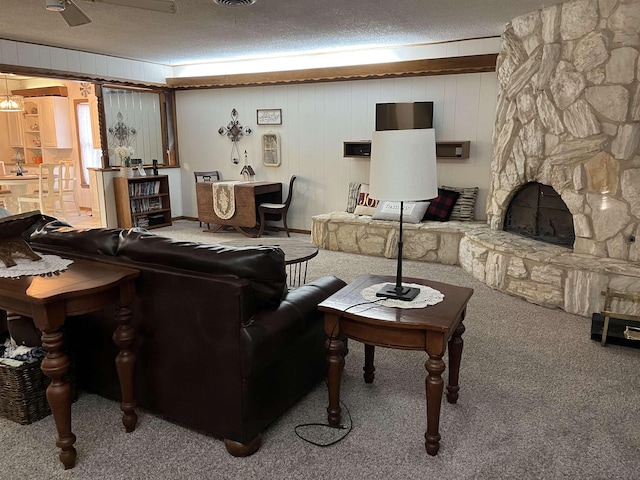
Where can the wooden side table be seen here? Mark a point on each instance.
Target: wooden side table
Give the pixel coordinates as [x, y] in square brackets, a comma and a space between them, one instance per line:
[348, 315]
[84, 287]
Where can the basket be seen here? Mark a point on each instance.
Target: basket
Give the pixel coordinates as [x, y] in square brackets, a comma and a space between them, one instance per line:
[23, 396]
[22, 393]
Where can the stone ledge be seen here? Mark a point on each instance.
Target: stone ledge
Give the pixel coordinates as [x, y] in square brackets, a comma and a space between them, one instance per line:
[545, 274]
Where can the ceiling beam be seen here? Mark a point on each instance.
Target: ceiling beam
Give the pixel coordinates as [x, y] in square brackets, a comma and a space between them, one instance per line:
[432, 66]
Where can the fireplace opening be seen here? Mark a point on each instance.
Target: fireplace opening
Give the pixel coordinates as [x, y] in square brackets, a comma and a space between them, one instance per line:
[537, 211]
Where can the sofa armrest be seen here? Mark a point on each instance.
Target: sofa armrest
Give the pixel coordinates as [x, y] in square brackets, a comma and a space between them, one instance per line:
[269, 331]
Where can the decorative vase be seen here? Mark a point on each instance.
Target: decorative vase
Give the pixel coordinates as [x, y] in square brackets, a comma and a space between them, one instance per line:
[126, 172]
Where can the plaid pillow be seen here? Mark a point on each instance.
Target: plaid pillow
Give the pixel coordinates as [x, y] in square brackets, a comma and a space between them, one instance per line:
[440, 208]
[465, 207]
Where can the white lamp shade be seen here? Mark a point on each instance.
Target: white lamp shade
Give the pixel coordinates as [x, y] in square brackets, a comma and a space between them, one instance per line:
[403, 165]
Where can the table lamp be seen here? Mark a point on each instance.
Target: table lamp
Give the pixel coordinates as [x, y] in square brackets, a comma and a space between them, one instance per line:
[403, 168]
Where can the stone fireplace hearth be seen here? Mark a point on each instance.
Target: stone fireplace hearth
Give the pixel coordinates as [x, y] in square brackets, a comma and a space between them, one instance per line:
[568, 116]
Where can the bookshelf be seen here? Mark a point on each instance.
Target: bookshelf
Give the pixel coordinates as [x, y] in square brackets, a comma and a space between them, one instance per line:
[143, 201]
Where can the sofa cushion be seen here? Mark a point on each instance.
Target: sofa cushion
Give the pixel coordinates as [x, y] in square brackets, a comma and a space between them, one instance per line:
[412, 211]
[366, 205]
[440, 208]
[465, 206]
[262, 266]
[62, 236]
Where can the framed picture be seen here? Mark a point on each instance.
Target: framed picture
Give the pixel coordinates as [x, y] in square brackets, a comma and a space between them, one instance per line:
[270, 116]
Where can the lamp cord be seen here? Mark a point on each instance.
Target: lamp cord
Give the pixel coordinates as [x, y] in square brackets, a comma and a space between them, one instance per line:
[349, 427]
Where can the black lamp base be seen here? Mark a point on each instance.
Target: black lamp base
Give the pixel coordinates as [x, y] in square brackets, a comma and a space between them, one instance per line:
[405, 294]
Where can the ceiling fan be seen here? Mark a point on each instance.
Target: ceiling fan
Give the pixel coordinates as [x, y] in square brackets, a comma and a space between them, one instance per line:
[74, 16]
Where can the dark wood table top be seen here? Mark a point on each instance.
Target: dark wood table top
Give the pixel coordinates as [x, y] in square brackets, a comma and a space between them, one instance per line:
[295, 251]
[439, 317]
[76, 285]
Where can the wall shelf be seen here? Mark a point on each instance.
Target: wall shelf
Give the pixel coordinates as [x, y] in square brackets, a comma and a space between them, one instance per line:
[444, 149]
[357, 149]
[453, 149]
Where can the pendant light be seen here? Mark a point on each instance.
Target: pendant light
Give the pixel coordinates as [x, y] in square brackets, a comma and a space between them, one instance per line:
[10, 103]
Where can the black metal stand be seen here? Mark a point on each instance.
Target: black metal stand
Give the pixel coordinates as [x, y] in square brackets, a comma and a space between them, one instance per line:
[397, 291]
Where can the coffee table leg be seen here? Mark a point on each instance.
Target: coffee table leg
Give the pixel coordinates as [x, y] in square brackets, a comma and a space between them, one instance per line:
[55, 365]
[455, 356]
[434, 386]
[335, 361]
[369, 369]
[123, 337]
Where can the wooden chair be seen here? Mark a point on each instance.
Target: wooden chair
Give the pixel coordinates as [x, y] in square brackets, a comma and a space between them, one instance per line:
[279, 209]
[49, 190]
[211, 176]
[68, 179]
[5, 194]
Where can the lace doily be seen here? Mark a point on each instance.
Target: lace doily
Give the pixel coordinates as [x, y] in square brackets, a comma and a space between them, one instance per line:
[49, 265]
[427, 296]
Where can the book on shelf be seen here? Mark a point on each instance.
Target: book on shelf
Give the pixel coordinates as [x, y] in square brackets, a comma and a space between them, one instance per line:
[141, 189]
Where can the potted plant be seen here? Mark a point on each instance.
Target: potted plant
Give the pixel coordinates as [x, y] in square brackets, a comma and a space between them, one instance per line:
[125, 154]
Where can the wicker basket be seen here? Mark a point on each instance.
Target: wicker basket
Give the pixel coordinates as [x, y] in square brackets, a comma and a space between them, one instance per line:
[23, 396]
[22, 393]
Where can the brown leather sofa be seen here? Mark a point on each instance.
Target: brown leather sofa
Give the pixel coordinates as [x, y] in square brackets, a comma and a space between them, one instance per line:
[222, 347]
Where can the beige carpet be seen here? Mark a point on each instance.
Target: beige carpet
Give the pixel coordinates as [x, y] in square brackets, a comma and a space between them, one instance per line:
[538, 400]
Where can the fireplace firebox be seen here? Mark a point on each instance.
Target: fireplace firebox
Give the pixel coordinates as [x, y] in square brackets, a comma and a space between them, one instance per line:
[537, 211]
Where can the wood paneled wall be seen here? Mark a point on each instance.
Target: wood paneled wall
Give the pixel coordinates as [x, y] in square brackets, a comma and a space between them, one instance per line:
[317, 119]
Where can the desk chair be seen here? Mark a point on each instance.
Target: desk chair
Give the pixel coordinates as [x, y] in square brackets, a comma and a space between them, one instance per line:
[68, 179]
[5, 194]
[279, 209]
[207, 177]
[49, 190]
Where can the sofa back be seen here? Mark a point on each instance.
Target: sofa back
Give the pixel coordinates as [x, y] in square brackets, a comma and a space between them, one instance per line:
[262, 266]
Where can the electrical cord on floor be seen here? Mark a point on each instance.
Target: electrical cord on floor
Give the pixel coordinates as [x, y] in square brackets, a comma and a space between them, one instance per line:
[348, 427]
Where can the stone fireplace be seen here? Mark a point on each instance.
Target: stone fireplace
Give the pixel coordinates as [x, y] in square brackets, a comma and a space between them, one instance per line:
[537, 211]
[568, 116]
[566, 155]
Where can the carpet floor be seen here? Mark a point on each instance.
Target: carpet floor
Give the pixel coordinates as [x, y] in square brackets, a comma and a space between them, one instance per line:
[539, 400]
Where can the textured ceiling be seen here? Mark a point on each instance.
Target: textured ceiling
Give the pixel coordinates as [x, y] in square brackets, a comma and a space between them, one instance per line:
[202, 31]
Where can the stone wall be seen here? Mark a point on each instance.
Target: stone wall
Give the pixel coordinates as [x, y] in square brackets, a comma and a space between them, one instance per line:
[568, 115]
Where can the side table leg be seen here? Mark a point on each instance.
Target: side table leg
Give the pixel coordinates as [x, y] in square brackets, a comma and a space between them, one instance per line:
[434, 386]
[369, 369]
[335, 362]
[55, 365]
[123, 337]
[455, 356]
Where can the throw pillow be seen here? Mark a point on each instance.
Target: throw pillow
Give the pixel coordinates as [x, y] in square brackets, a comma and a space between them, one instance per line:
[465, 207]
[412, 212]
[366, 205]
[440, 207]
[352, 196]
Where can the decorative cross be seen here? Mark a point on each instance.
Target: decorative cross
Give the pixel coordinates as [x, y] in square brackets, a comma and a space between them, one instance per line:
[235, 132]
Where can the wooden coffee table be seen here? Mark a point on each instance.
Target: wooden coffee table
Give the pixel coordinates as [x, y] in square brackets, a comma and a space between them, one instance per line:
[296, 254]
[348, 315]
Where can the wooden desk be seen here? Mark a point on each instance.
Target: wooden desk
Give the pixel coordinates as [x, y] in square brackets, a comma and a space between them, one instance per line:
[348, 315]
[83, 288]
[248, 197]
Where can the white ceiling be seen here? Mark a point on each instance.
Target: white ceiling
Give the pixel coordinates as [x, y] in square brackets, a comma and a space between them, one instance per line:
[202, 31]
